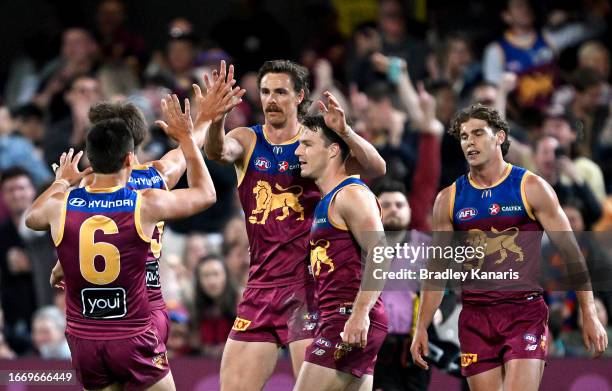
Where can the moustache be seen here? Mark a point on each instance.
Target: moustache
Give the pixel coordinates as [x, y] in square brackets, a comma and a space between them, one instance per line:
[273, 109]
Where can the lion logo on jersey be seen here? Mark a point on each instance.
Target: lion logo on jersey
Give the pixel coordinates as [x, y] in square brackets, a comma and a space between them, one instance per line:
[502, 243]
[318, 255]
[267, 201]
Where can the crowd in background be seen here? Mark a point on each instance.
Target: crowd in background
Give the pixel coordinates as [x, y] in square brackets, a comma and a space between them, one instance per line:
[547, 72]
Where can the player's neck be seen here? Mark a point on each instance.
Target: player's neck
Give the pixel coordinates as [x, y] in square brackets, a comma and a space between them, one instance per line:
[330, 179]
[488, 174]
[105, 181]
[281, 134]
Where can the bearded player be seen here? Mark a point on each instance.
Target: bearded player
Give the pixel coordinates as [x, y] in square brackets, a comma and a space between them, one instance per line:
[161, 174]
[502, 333]
[347, 222]
[102, 233]
[276, 308]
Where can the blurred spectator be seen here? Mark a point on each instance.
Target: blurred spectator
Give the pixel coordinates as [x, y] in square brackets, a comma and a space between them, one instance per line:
[180, 53]
[215, 305]
[71, 131]
[17, 294]
[178, 344]
[247, 45]
[78, 56]
[16, 150]
[589, 88]
[455, 63]
[551, 165]
[117, 42]
[595, 56]
[392, 20]
[48, 338]
[29, 121]
[530, 52]
[565, 128]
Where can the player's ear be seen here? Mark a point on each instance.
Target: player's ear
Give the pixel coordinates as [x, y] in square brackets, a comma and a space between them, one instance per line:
[300, 96]
[129, 160]
[334, 150]
[501, 137]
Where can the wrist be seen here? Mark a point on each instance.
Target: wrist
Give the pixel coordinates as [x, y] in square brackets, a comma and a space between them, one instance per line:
[63, 182]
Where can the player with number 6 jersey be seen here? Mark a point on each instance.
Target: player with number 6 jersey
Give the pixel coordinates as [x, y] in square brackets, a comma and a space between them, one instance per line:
[103, 233]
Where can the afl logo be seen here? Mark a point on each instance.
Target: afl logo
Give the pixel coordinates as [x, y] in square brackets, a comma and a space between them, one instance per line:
[262, 164]
[77, 202]
[494, 209]
[283, 166]
[467, 214]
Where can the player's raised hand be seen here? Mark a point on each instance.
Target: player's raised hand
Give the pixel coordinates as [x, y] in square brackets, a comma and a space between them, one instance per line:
[68, 169]
[594, 335]
[220, 96]
[178, 124]
[420, 348]
[356, 330]
[334, 115]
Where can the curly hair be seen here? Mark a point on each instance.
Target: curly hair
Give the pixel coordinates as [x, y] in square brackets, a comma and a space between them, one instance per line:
[485, 113]
[299, 76]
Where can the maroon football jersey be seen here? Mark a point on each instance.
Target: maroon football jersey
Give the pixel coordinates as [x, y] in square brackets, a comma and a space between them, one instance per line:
[499, 218]
[335, 260]
[103, 252]
[278, 205]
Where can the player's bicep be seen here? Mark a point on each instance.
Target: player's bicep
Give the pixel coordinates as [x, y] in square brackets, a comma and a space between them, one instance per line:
[236, 145]
[39, 216]
[171, 167]
[361, 214]
[442, 210]
[545, 205]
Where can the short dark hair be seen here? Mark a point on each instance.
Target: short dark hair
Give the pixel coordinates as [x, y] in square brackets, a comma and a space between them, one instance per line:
[126, 111]
[28, 111]
[316, 122]
[388, 185]
[108, 142]
[14, 172]
[485, 113]
[299, 76]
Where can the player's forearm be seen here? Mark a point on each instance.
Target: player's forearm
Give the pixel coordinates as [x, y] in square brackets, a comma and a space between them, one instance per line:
[587, 303]
[214, 140]
[364, 302]
[430, 301]
[409, 98]
[198, 177]
[366, 155]
[199, 133]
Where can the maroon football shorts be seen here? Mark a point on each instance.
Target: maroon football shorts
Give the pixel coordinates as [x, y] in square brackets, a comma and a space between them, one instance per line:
[279, 315]
[137, 362]
[161, 321]
[492, 335]
[328, 350]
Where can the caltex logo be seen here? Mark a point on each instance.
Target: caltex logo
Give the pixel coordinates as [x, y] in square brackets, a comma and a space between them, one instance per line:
[283, 166]
[494, 209]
